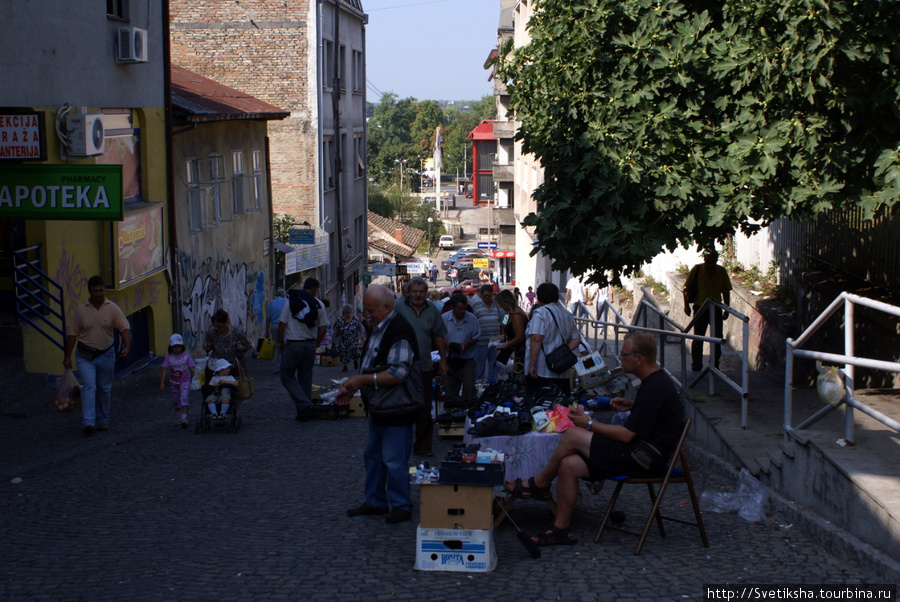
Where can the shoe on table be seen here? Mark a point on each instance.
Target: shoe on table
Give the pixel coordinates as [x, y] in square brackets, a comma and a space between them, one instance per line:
[365, 509]
[397, 516]
[88, 430]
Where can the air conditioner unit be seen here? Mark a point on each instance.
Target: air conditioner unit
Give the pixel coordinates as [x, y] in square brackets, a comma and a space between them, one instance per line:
[132, 45]
[86, 135]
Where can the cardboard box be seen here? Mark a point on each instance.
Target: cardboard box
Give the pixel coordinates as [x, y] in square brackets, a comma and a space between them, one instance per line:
[330, 360]
[357, 409]
[456, 506]
[464, 550]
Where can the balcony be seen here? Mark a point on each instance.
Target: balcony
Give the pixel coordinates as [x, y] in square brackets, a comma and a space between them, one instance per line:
[504, 129]
[503, 173]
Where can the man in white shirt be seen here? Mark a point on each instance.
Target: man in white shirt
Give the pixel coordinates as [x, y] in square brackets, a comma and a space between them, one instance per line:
[299, 333]
[575, 297]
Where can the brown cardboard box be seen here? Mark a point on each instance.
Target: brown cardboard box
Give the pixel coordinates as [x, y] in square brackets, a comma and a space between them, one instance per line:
[330, 360]
[357, 409]
[456, 506]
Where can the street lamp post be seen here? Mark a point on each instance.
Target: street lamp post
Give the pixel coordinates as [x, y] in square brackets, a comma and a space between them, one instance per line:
[430, 242]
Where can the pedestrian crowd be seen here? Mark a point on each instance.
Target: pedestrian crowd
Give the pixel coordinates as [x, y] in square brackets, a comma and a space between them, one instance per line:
[405, 350]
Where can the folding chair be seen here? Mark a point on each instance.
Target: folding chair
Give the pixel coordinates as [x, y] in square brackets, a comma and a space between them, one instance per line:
[677, 471]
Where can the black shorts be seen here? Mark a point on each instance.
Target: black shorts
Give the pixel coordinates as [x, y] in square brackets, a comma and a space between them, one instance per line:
[611, 458]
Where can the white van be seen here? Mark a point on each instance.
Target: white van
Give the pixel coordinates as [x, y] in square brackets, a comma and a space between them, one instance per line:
[446, 242]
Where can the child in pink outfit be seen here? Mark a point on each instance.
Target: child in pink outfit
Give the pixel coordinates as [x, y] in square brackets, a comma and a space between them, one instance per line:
[180, 366]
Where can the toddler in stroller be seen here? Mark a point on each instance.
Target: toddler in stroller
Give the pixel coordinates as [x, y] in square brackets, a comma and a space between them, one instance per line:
[220, 389]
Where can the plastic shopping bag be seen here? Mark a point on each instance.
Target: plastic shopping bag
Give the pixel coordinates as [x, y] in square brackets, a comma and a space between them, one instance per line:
[67, 389]
[199, 378]
[563, 422]
[267, 349]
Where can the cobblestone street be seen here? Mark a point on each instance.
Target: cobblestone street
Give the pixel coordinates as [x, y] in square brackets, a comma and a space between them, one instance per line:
[147, 511]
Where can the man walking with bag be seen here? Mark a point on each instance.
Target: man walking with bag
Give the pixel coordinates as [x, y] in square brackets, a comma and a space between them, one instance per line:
[391, 384]
[707, 281]
[302, 326]
[92, 330]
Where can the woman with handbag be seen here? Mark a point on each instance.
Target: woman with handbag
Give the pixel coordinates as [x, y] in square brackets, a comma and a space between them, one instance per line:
[551, 340]
[226, 341]
[513, 336]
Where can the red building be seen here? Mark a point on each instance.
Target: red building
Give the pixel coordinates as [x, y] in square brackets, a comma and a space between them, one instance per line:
[484, 150]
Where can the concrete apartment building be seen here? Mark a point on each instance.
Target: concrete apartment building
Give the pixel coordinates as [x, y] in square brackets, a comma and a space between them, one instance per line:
[306, 57]
[517, 174]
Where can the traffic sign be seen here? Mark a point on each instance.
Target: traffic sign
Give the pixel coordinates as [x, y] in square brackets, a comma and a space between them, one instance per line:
[487, 245]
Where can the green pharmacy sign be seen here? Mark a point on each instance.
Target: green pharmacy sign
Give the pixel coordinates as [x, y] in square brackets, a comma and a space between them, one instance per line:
[61, 192]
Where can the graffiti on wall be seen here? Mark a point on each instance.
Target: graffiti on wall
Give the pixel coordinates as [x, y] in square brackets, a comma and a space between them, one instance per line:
[225, 286]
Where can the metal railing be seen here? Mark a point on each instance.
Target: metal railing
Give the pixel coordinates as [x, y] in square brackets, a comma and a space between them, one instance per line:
[39, 299]
[668, 330]
[596, 333]
[711, 368]
[848, 359]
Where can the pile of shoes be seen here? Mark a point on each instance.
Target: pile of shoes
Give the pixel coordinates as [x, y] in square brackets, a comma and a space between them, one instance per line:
[448, 417]
[505, 419]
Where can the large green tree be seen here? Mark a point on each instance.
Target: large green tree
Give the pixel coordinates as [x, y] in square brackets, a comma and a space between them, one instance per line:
[663, 123]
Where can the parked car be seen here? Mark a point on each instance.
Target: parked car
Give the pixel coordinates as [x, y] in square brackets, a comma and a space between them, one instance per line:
[454, 261]
[468, 287]
[446, 242]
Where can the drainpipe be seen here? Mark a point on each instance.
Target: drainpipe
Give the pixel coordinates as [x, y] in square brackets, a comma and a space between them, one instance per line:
[174, 276]
[338, 150]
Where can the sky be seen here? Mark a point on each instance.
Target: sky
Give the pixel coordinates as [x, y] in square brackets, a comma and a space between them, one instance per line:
[430, 49]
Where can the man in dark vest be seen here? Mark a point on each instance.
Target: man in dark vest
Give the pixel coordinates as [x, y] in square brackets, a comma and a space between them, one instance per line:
[389, 369]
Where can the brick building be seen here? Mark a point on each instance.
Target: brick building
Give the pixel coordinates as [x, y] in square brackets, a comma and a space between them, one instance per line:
[297, 55]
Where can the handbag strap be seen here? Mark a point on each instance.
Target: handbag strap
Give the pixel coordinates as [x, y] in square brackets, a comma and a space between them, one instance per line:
[555, 323]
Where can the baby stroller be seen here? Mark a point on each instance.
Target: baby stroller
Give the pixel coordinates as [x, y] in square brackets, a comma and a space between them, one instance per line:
[230, 421]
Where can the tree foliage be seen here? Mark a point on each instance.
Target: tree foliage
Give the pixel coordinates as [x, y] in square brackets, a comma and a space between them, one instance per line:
[662, 123]
[402, 132]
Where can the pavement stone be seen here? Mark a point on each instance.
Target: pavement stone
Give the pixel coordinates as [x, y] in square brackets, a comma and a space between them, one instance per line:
[147, 511]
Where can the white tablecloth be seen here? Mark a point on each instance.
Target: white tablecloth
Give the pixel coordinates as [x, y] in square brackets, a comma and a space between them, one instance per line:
[526, 455]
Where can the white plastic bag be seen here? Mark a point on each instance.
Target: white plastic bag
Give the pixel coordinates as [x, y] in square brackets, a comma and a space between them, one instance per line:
[751, 501]
[830, 385]
[199, 373]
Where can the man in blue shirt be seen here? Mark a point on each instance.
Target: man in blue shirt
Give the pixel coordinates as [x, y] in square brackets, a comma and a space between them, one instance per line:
[463, 331]
[273, 318]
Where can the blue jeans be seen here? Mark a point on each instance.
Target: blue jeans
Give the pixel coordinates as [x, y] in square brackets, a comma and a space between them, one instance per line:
[485, 353]
[387, 466]
[96, 378]
[297, 363]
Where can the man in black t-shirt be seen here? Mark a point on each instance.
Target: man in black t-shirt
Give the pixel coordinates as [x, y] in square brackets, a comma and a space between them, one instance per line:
[593, 450]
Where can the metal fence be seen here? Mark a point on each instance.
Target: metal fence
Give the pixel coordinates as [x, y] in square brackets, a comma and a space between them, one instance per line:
[605, 335]
[845, 301]
[842, 240]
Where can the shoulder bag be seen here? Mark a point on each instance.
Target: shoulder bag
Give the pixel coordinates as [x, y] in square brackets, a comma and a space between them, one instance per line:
[561, 358]
[397, 400]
